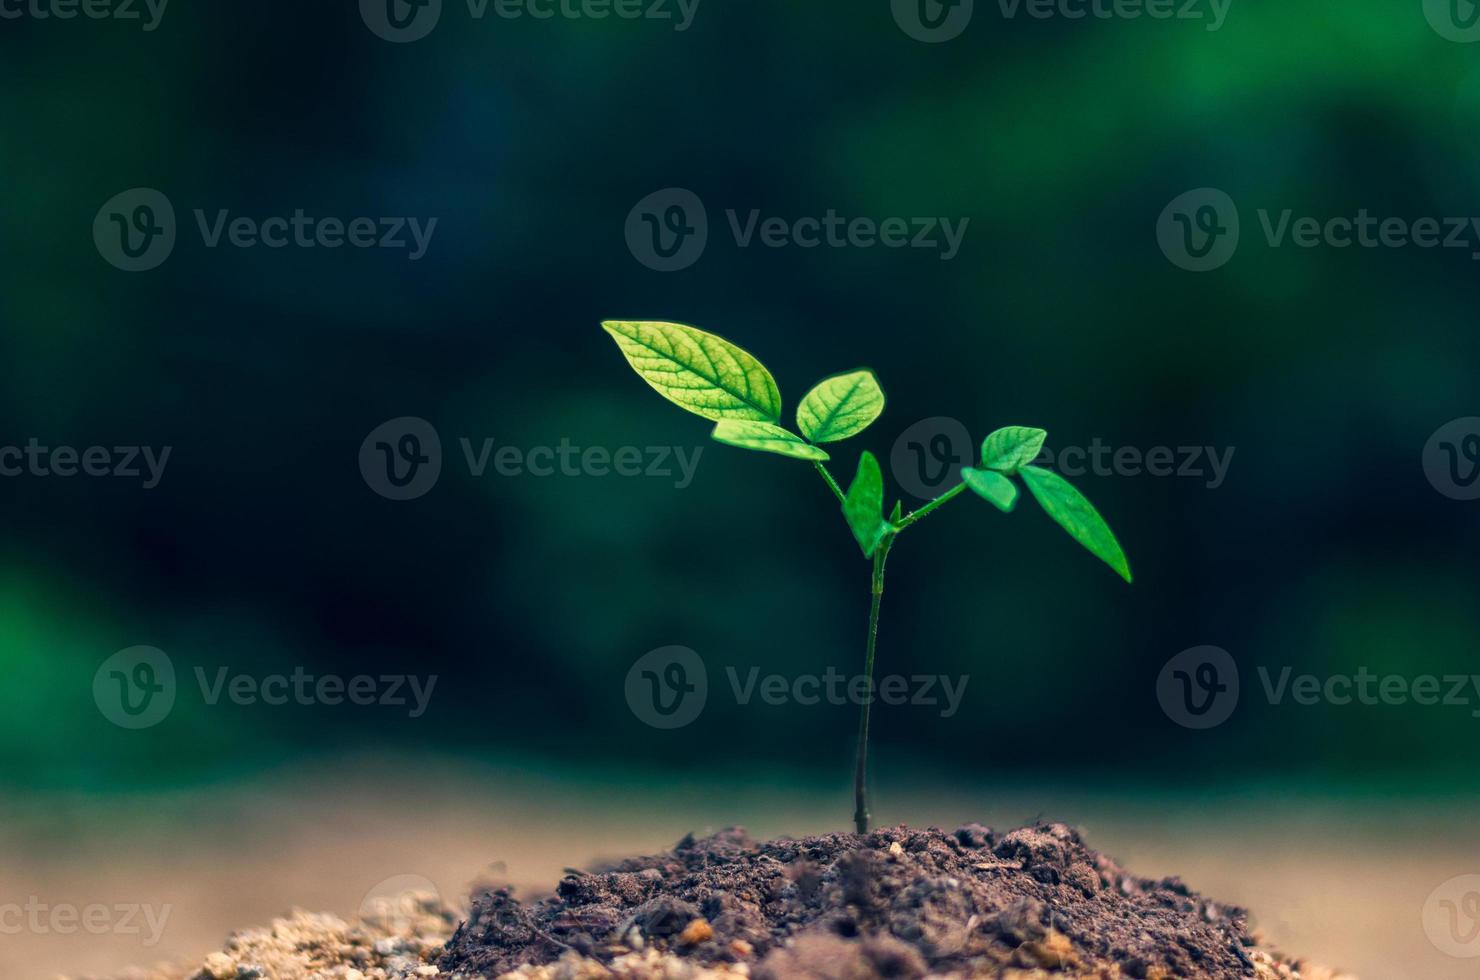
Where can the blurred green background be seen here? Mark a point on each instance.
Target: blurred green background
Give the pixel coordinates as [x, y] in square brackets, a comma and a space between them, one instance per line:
[263, 549]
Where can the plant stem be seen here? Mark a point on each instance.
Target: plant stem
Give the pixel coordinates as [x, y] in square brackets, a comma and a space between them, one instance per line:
[914, 516]
[861, 815]
[837, 490]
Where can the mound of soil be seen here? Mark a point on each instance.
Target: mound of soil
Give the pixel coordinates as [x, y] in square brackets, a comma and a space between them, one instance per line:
[896, 903]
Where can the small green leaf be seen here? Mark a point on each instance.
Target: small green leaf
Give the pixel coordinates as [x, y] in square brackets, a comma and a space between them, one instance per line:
[765, 437]
[1015, 446]
[864, 505]
[1076, 515]
[697, 371]
[992, 486]
[898, 512]
[841, 406]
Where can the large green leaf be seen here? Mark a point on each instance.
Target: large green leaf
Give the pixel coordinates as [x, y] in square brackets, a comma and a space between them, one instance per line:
[841, 406]
[765, 437]
[1015, 446]
[697, 371]
[992, 486]
[1076, 515]
[864, 505]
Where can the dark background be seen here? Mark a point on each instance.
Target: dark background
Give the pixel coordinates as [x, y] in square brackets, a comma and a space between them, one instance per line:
[1327, 370]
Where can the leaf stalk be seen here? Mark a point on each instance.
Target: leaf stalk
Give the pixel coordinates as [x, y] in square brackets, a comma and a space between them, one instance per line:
[861, 815]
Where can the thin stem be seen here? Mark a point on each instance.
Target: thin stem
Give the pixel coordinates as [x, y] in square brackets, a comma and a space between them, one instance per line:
[914, 516]
[861, 815]
[837, 490]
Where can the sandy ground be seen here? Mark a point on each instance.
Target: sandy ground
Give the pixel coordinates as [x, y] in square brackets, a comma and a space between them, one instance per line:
[163, 878]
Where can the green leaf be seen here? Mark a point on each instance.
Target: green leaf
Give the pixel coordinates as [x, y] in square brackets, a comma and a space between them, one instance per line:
[841, 406]
[765, 437]
[864, 505]
[1076, 515]
[992, 486]
[894, 518]
[1009, 449]
[697, 371]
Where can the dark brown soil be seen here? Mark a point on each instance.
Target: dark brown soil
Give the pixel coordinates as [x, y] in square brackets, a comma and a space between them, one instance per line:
[895, 903]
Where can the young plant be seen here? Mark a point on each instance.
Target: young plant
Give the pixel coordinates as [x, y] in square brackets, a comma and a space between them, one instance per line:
[711, 377]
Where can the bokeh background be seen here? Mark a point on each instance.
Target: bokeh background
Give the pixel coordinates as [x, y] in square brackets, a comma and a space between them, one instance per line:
[1326, 371]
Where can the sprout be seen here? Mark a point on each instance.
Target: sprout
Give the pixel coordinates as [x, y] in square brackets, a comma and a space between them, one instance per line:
[709, 376]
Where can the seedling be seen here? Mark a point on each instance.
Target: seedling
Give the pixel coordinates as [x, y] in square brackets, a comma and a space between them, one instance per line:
[711, 377]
